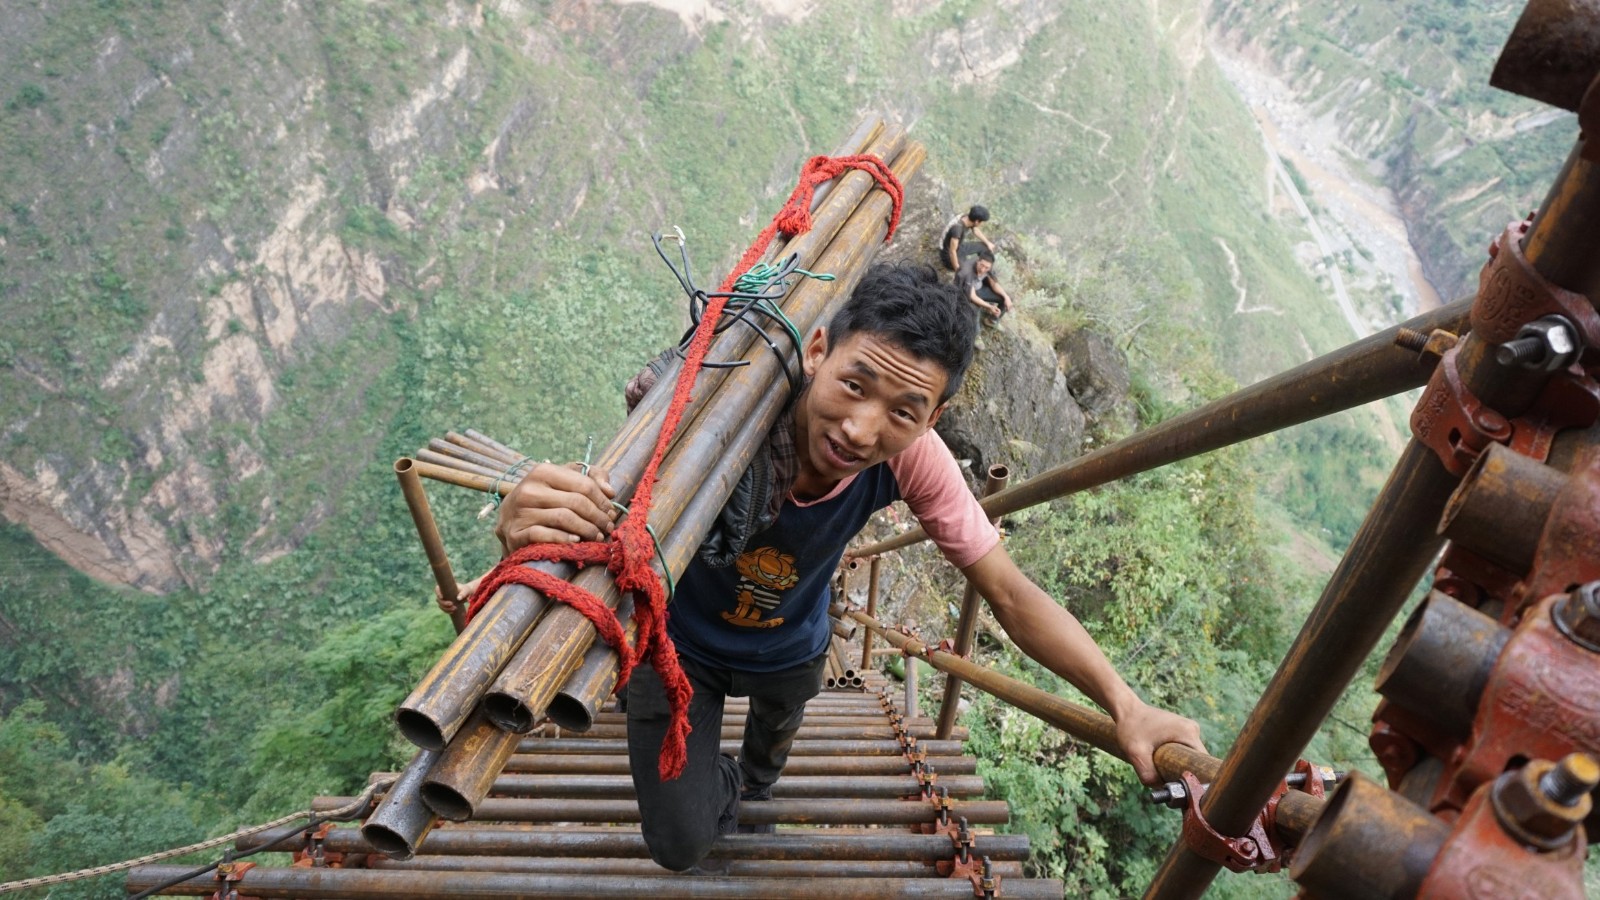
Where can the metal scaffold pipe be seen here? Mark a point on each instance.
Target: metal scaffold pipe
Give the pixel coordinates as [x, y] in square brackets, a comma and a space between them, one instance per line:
[1395, 543]
[1369, 369]
[880, 844]
[423, 885]
[967, 624]
[1296, 810]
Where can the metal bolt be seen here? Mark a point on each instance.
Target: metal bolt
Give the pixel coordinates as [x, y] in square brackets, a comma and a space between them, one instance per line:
[1571, 780]
[1578, 616]
[1547, 344]
[1410, 339]
[1173, 794]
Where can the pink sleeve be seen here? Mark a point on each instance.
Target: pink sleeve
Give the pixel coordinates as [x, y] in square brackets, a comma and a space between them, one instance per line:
[931, 483]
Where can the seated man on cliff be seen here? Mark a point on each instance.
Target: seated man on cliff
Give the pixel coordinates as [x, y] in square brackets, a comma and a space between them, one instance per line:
[860, 436]
[979, 286]
[955, 246]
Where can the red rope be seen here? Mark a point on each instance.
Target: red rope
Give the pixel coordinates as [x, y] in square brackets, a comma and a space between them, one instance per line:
[629, 553]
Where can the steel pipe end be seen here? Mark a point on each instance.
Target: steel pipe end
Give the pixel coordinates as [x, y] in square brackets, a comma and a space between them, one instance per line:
[567, 712]
[508, 713]
[388, 841]
[448, 802]
[1367, 844]
[1441, 661]
[419, 729]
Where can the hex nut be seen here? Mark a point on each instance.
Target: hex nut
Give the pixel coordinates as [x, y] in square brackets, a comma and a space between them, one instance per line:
[1531, 816]
[1579, 615]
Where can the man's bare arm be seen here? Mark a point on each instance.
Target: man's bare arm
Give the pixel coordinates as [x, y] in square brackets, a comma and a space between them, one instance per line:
[1048, 633]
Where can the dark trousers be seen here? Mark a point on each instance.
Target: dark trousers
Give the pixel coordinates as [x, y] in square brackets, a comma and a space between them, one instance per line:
[680, 817]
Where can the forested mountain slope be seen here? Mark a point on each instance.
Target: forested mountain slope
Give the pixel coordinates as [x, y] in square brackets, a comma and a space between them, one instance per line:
[251, 252]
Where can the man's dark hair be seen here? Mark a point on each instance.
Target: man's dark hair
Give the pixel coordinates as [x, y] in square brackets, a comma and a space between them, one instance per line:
[909, 307]
[985, 255]
[978, 213]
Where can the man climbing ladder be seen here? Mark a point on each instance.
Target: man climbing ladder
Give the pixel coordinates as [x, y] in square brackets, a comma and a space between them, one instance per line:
[879, 376]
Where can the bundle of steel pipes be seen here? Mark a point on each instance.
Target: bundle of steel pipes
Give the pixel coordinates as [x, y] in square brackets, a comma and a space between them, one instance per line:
[520, 660]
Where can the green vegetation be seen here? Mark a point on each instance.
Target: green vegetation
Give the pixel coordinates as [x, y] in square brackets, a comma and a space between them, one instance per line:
[503, 175]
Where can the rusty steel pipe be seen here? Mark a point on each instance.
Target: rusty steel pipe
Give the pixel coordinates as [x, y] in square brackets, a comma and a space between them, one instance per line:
[402, 820]
[311, 883]
[789, 787]
[731, 747]
[1561, 242]
[1369, 844]
[460, 778]
[459, 478]
[577, 703]
[447, 447]
[1388, 554]
[436, 458]
[439, 705]
[874, 571]
[1500, 508]
[620, 844]
[809, 731]
[995, 482]
[1553, 53]
[485, 446]
[705, 466]
[617, 764]
[793, 811]
[762, 868]
[1369, 369]
[428, 532]
[1440, 663]
[1296, 810]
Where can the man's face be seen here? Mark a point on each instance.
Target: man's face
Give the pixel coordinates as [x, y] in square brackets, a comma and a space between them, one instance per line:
[868, 400]
[982, 266]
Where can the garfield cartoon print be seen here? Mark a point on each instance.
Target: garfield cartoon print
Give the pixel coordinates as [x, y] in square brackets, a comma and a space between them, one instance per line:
[763, 574]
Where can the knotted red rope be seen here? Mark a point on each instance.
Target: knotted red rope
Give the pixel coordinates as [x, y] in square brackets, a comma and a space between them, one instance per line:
[629, 552]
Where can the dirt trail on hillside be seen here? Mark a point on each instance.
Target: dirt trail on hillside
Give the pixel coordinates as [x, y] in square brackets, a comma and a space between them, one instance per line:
[1351, 211]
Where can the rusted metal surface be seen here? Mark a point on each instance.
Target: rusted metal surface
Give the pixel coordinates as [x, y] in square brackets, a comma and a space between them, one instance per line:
[805, 811]
[809, 731]
[1440, 663]
[439, 705]
[1387, 556]
[875, 844]
[428, 532]
[345, 883]
[801, 748]
[1553, 54]
[874, 580]
[460, 778]
[1569, 548]
[996, 481]
[762, 868]
[1486, 856]
[788, 787]
[578, 701]
[1366, 370]
[402, 820]
[1542, 700]
[612, 764]
[1369, 844]
[1500, 509]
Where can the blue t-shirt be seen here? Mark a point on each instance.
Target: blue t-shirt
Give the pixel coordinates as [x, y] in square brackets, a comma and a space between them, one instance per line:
[769, 610]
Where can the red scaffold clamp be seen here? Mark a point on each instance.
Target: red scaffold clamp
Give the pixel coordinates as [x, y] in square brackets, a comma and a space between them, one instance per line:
[1255, 852]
